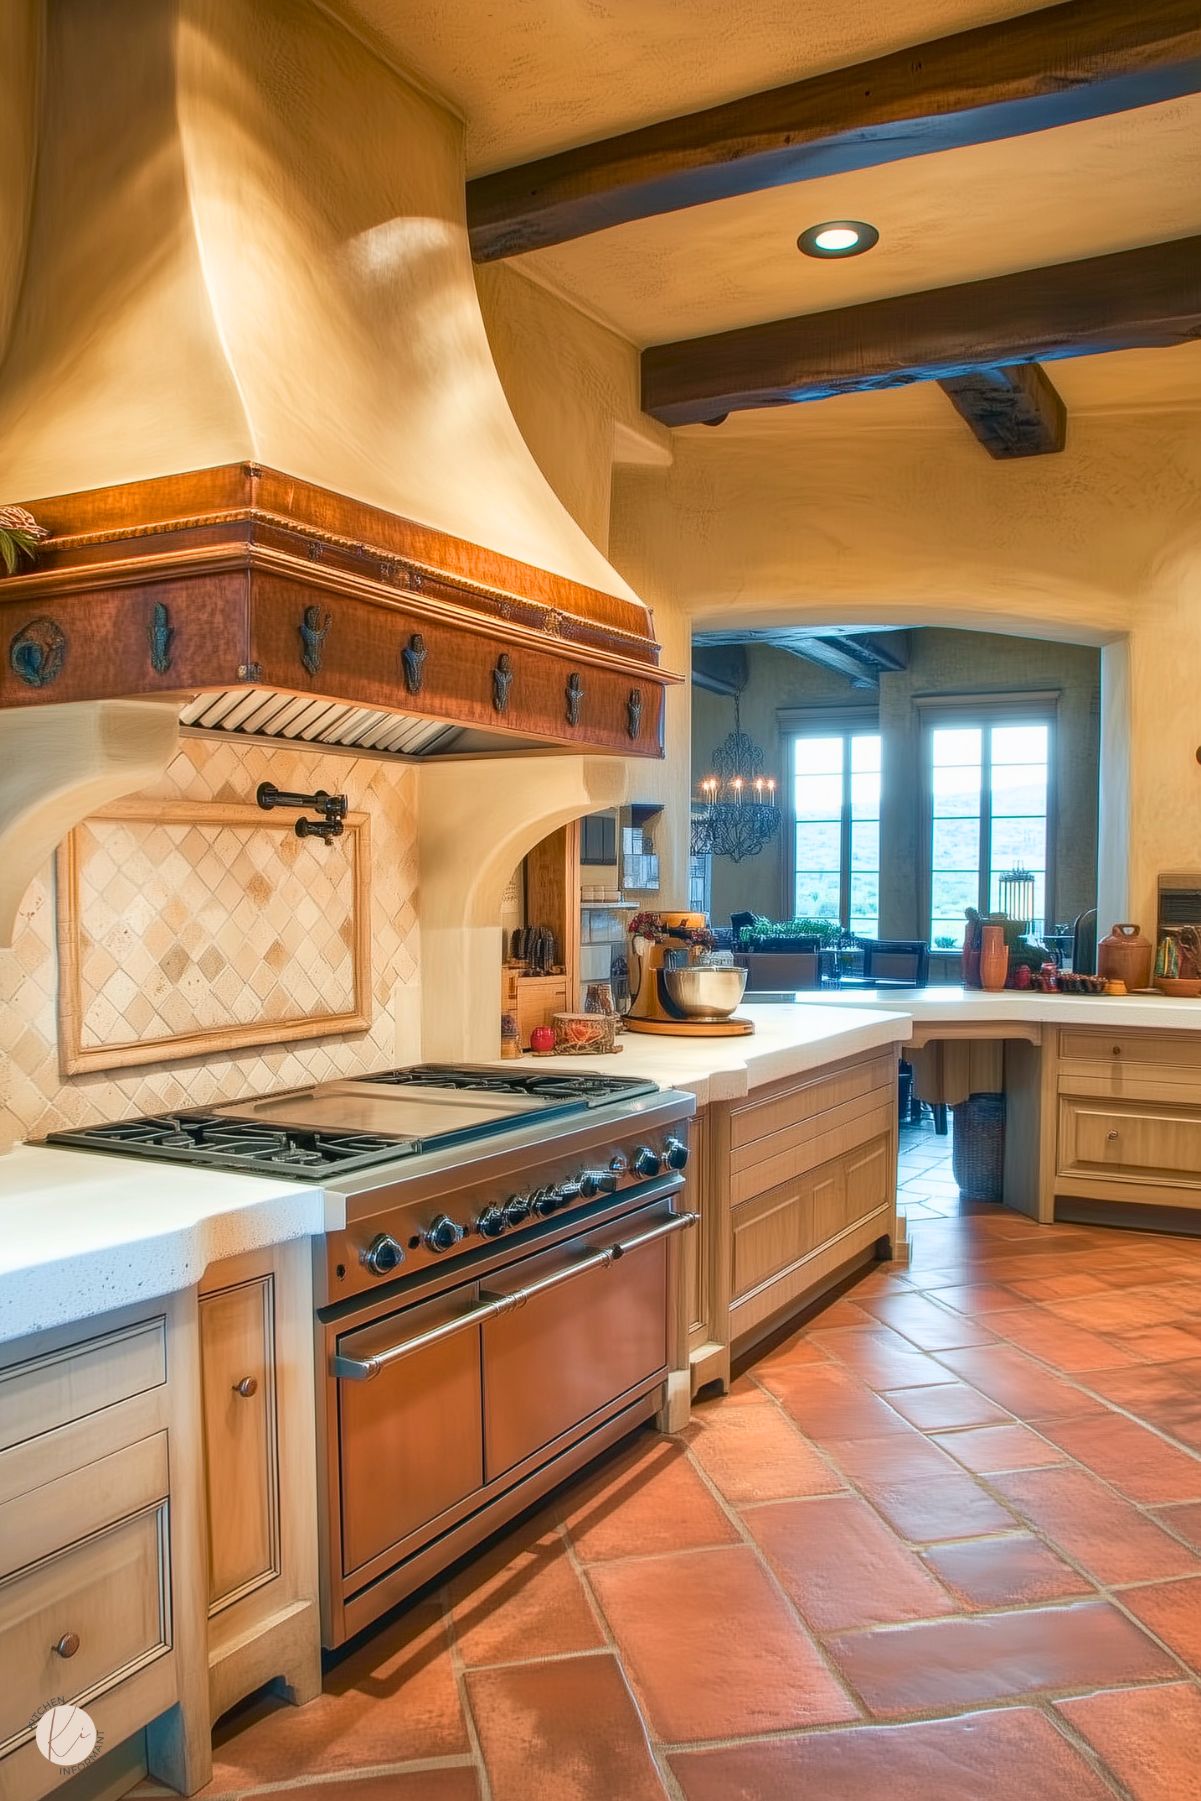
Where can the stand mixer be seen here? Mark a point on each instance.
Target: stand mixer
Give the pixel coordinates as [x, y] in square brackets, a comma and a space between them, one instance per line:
[674, 989]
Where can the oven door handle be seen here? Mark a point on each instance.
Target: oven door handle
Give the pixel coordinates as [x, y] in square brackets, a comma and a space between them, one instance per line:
[365, 1369]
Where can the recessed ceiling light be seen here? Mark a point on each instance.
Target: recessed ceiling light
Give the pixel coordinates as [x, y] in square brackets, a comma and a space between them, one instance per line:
[838, 237]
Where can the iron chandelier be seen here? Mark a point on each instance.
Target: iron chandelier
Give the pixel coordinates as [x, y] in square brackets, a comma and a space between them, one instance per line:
[735, 812]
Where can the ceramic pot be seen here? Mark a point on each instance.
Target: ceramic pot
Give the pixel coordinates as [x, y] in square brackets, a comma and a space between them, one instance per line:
[994, 958]
[971, 955]
[1126, 956]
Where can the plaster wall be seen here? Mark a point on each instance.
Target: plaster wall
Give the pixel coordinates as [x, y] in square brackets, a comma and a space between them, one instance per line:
[1100, 545]
[248, 240]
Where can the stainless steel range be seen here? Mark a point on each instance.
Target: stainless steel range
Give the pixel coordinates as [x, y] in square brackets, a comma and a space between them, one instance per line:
[495, 1292]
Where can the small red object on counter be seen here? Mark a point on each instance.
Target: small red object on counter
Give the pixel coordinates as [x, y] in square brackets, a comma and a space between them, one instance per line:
[542, 1040]
[1022, 976]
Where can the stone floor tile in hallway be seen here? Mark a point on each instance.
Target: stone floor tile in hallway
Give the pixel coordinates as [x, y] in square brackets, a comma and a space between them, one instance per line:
[908, 1557]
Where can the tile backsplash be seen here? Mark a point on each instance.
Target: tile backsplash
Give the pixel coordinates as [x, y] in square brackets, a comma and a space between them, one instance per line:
[34, 1095]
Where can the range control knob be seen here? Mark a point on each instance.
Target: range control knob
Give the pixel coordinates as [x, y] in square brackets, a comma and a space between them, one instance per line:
[547, 1201]
[597, 1181]
[646, 1162]
[491, 1222]
[517, 1210]
[675, 1153]
[383, 1255]
[443, 1234]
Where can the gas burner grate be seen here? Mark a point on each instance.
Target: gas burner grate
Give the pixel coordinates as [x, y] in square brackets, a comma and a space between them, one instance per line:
[234, 1144]
[550, 1085]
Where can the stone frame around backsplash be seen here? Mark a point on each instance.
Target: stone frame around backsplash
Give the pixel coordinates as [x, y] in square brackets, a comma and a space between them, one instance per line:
[36, 1098]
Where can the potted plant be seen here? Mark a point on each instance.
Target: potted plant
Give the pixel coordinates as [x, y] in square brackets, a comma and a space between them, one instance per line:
[20, 535]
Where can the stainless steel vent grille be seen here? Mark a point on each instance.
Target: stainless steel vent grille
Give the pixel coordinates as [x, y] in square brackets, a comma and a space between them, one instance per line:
[301, 719]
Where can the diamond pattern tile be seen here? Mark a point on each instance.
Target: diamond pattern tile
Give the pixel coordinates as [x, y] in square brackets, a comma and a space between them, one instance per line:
[191, 926]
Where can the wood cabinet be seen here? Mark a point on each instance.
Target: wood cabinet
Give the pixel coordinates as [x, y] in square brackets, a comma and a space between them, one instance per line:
[800, 1186]
[100, 1522]
[255, 1323]
[1127, 1113]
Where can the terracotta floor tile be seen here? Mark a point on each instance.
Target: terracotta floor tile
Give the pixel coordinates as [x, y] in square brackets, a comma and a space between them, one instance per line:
[999, 1448]
[828, 1401]
[1055, 1341]
[564, 1731]
[1161, 1344]
[647, 1499]
[522, 1598]
[881, 1357]
[756, 1454]
[842, 1567]
[979, 1298]
[1057, 1288]
[929, 1326]
[1147, 1736]
[845, 1311]
[794, 1349]
[1172, 1611]
[1005, 1755]
[1107, 1535]
[394, 1700]
[900, 1458]
[400, 1785]
[955, 1663]
[1116, 1312]
[712, 1648]
[938, 1409]
[1015, 1382]
[1134, 1460]
[1168, 1395]
[953, 1506]
[1006, 1572]
[1185, 1522]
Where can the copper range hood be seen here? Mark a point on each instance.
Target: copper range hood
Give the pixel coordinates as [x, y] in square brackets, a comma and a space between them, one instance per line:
[275, 609]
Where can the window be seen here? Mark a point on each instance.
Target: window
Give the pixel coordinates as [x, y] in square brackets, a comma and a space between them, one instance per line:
[836, 828]
[989, 806]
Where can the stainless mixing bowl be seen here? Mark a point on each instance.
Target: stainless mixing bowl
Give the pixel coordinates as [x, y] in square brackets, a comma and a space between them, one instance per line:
[705, 993]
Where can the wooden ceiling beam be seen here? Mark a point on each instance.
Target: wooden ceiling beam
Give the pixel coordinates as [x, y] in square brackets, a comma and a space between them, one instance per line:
[1014, 412]
[1134, 299]
[1055, 66]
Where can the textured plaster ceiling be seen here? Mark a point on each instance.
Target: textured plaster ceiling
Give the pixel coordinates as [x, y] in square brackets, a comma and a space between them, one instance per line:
[1108, 184]
[535, 76]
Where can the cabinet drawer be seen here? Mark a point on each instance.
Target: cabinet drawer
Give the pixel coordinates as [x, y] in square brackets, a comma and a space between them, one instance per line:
[775, 1231]
[240, 1438]
[784, 1106]
[786, 1156]
[1130, 1062]
[111, 1591]
[1136, 1140]
[46, 1392]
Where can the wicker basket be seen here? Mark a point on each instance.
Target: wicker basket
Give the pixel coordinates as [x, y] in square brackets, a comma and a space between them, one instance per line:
[585, 1034]
[978, 1147]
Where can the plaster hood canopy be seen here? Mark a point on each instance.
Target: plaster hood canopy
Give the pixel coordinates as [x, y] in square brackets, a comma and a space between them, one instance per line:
[246, 361]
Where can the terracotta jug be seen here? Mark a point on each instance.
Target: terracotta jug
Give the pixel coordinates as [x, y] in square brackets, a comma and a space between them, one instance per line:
[994, 958]
[1126, 956]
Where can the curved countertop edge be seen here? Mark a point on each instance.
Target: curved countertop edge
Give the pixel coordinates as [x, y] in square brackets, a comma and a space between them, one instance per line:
[83, 1233]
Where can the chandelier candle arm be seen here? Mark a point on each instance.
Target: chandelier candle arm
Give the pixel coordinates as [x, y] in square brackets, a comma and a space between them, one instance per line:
[736, 813]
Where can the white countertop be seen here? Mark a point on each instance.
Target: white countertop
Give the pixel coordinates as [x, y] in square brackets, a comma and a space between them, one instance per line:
[82, 1232]
[956, 1006]
[788, 1040]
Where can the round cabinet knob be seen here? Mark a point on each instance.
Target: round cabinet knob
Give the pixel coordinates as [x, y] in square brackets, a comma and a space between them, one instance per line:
[246, 1387]
[1111, 1136]
[443, 1234]
[646, 1162]
[597, 1181]
[383, 1255]
[491, 1222]
[67, 1645]
[675, 1153]
[517, 1210]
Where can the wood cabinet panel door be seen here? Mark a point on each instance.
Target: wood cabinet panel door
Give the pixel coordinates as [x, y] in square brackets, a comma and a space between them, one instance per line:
[240, 1438]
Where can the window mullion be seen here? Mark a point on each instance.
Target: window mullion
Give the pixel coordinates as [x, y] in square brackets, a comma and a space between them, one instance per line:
[985, 818]
[844, 876]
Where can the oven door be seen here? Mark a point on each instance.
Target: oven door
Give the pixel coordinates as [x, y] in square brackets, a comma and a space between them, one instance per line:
[410, 1441]
[573, 1346]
